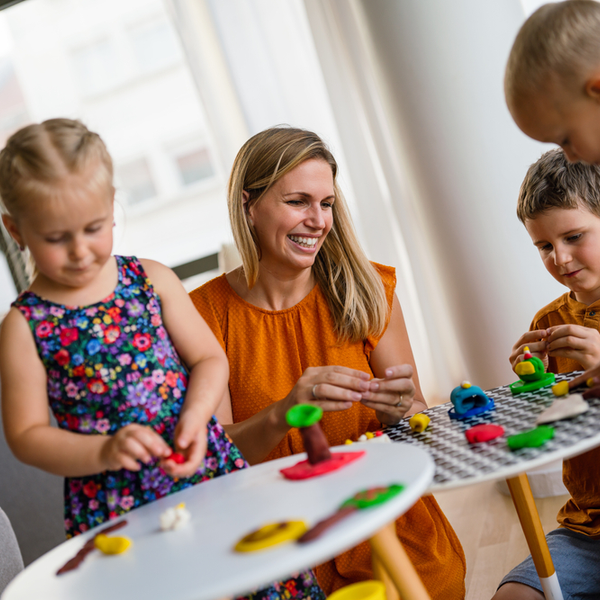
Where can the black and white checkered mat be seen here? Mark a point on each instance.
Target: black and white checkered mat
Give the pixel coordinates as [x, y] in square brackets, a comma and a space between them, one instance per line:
[460, 463]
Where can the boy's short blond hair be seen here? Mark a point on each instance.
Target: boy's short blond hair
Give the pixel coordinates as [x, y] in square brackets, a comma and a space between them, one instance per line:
[554, 182]
[559, 41]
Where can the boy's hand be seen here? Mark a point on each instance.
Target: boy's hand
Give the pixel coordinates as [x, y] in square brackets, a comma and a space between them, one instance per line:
[131, 445]
[536, 341]
[580, 343]
[190, 442]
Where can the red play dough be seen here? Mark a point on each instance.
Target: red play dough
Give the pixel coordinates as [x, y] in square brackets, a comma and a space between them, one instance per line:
[304, 470]
[176, 458]
[484, 433]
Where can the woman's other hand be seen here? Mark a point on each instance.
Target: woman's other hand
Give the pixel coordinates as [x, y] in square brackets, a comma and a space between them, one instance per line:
[392, 397]
[331, 388]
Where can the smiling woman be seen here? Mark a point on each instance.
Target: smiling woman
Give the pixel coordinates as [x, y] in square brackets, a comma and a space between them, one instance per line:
[308, 319]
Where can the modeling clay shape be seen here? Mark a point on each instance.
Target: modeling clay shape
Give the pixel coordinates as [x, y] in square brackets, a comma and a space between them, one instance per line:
[375, 436]
[532, 374]
[561, 388]
[473, 412]
[88, 547]
[174, 517]
[563, 408]
[112, 544]
[304, 470]
[466, 397]
[363, 590]
[419, 422]
[270, 535]
[360, 501]
[176, 457]
[484, 433]
[530, 439]
[306, 418]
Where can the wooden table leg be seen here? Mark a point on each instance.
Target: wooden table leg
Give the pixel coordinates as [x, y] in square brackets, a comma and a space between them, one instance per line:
[388, 551]
[379, 573]
[534, 534]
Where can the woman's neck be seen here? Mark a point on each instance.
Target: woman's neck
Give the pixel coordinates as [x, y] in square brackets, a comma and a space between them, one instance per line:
[273, 291]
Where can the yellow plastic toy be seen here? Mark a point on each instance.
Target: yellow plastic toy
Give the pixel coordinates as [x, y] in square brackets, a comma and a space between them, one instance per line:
[111, 545]
[364, 590]
[271, 535]
[419, 422]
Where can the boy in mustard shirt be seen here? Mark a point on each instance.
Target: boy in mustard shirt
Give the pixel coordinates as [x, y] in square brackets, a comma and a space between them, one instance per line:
[559, 204]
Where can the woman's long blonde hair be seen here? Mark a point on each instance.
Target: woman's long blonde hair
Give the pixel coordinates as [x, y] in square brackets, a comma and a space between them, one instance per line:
[351, 284]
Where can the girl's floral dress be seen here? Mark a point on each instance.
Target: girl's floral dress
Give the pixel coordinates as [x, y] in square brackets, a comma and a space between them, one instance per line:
[111, 364]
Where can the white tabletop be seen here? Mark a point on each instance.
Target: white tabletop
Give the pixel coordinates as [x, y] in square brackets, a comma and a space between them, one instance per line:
[197, 562]
[459, 463]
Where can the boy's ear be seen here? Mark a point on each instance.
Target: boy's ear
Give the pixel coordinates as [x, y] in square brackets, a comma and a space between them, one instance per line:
[592, 86]
[11, 227]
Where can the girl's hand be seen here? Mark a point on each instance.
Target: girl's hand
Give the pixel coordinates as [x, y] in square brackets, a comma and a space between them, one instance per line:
[190, 442]
[331, 388]
[131, 445]
[392, 397]
[582, 344]
[537, 343]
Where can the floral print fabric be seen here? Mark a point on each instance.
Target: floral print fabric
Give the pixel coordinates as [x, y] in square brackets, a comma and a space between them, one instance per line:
[111, 364]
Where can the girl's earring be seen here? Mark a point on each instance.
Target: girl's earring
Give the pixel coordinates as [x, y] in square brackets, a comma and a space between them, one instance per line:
[114, 223]
[22, 248]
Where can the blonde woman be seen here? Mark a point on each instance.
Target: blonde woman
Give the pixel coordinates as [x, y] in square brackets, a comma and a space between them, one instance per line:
[308, 318]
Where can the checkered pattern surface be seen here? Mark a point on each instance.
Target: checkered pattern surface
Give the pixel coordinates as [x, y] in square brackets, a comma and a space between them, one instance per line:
[458, 461]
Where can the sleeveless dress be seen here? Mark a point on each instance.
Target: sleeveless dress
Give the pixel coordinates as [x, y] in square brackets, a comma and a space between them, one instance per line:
[111, 364]
[268, 351]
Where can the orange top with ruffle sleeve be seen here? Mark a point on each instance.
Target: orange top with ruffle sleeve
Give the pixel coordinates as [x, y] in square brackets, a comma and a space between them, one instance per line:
[268, 351]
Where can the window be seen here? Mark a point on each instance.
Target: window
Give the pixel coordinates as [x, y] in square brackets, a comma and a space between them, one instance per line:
[155, 45]
[195, 166]
[135, 178]
[97, 67]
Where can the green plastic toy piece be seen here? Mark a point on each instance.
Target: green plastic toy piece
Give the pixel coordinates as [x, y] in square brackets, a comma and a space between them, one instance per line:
[373, 496]
[518, 387]
[530, 439]
[303, 415]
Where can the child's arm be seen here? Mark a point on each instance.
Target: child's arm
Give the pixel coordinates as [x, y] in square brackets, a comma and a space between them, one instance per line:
[203, 356]
[25, 414]
[577, 342]
[536, 341]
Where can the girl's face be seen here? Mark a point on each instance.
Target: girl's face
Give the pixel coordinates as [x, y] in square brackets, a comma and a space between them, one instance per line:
[70, 234]
[294, 217]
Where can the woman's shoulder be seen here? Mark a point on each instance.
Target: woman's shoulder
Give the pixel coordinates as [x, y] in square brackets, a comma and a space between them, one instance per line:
[212, 296]
[387, 274]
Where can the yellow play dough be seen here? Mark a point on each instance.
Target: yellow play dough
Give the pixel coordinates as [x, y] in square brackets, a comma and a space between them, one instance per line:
[561, 388]
[271, 535]
[364, 590]
[111, 545]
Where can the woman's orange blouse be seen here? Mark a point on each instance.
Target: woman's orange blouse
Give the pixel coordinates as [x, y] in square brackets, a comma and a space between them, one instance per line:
[268, 351]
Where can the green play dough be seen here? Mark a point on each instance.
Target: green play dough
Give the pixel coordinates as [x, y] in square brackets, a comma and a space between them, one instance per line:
[530, 439]
[303, 415]
[373, 496]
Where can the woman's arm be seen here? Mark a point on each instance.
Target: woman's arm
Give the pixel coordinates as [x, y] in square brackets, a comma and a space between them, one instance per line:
[205, 360]
[336, 388]
[395, 392]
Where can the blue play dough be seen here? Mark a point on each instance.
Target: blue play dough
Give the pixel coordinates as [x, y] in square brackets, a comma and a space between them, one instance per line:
[473, 412]
[465, 399]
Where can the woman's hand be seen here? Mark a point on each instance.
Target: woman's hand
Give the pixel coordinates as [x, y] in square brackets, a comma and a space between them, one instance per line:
[536, 341]
[331, 388]
[131, 445]
[391, 397]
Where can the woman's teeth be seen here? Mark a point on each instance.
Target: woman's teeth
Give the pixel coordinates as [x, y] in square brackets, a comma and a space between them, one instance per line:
[304, 241]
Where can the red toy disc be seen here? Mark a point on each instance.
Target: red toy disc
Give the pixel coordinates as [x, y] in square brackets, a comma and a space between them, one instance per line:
[177, 458]
[483, 433]
[304, 470]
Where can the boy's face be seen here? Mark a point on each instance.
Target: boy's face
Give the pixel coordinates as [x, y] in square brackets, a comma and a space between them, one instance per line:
[568, 240]
[557, 116]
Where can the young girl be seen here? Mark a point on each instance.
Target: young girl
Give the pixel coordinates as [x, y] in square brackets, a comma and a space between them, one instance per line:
[114, 344]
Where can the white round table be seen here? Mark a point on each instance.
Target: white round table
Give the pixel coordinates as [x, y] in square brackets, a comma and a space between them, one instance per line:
[197, 562]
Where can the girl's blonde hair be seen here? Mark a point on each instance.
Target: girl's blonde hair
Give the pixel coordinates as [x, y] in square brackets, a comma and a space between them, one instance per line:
[351, 284]
[558, 42]
[38, 157]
